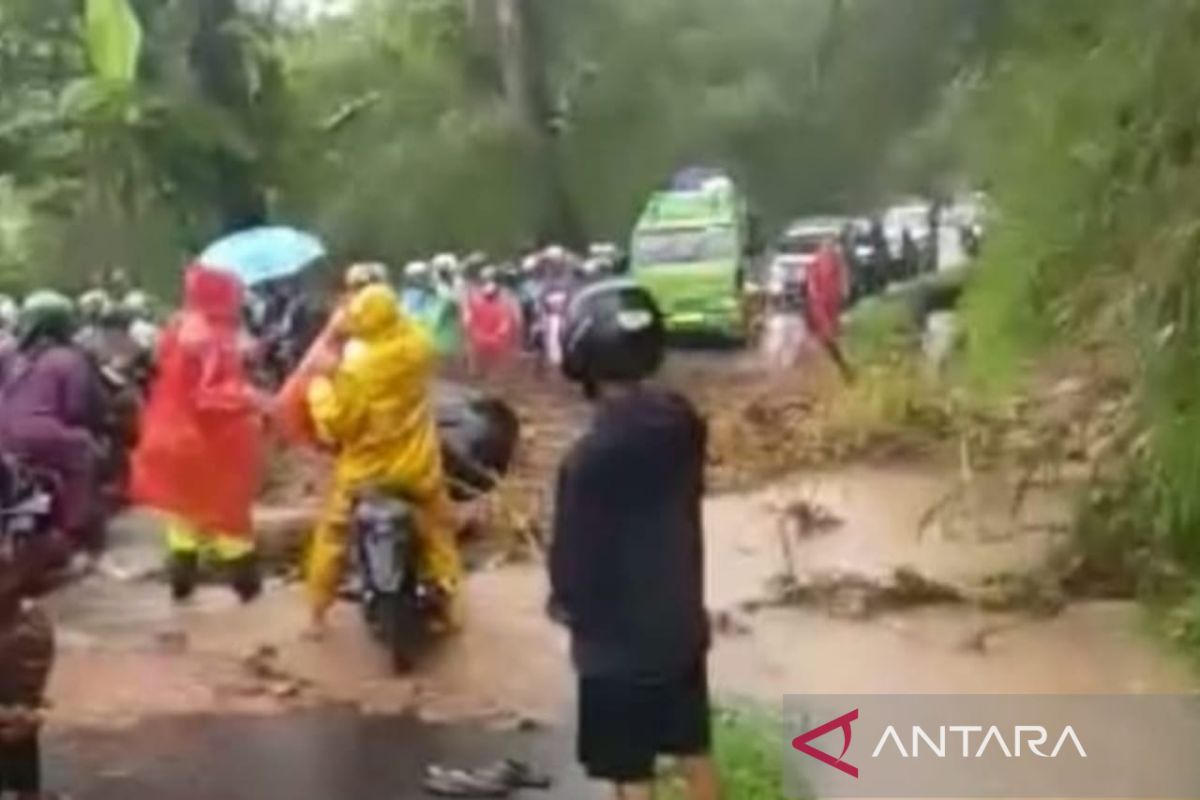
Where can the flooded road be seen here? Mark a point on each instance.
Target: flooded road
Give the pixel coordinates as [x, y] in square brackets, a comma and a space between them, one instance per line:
[313, 756]
[217, 701]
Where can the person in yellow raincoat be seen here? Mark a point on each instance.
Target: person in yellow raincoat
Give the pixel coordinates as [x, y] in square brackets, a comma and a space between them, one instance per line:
[376, 411]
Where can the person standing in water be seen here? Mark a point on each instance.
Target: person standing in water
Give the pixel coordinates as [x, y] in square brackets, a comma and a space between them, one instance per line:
[627, 562]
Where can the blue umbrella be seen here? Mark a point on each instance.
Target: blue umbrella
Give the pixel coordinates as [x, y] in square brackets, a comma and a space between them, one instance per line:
[259, 255]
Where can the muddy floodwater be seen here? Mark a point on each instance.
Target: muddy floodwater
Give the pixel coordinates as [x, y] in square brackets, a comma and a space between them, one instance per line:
[222, 701]
[325, 755]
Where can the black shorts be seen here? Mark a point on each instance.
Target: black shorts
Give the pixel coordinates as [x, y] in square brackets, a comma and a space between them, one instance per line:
[21, 767]
[624, 725]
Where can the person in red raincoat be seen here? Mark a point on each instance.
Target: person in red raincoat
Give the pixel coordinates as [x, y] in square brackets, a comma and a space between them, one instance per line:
[493, 325]
[825, 293]
[200, 457]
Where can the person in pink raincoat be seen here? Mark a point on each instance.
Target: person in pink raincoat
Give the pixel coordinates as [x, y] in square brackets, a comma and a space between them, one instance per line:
[493, 325]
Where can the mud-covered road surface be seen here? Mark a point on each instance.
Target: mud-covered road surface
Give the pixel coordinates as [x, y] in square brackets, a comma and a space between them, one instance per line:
[217, 701]
[316, 755]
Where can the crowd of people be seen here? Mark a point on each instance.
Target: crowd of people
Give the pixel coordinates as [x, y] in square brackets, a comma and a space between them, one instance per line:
[357, 380]
[481, 314]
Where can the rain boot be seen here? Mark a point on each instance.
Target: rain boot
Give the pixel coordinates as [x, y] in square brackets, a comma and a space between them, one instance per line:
[246, 577]
[184, 571]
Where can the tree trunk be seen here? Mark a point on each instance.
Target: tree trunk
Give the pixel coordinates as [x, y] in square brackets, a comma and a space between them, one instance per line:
[218, 61]
[523, 70]
[830, 40]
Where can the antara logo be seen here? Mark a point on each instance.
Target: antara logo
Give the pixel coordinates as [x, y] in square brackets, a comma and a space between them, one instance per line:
[1024, 739]
[1034, 737]
[801, 743]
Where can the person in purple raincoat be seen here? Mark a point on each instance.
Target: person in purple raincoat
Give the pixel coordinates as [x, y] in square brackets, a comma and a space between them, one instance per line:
[52, 411]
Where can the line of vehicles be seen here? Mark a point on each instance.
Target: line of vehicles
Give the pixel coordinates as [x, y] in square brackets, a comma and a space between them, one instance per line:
[696, 247]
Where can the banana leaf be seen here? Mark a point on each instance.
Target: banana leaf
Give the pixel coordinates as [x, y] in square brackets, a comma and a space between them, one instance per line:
[114, 40]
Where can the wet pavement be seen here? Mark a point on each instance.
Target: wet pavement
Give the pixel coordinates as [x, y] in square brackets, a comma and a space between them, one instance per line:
[154, 701]
[320, 755]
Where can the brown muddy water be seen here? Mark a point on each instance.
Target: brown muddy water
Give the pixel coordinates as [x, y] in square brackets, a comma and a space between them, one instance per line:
[223, 701]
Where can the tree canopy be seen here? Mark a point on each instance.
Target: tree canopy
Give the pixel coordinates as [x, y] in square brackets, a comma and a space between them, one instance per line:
[401, 127]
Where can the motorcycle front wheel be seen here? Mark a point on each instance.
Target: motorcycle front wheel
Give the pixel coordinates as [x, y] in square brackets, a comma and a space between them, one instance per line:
[400, 626]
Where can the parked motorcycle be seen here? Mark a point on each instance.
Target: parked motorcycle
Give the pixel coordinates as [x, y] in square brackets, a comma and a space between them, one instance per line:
[479, 436]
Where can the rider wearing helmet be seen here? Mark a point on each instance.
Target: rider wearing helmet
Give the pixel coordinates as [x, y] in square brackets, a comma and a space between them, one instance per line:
[416, 273]
[529, 290]
[139, 312]
[418, 291]
[559, 283]
[446, 272]
[360, 276]
[93, 306]
[53, 412]
[376, 410]
[627, 557]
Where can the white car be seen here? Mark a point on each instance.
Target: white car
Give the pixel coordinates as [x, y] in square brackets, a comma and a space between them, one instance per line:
[797, 249]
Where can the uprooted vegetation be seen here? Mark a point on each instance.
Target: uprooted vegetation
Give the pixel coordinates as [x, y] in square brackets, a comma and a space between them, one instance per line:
[1085, 129]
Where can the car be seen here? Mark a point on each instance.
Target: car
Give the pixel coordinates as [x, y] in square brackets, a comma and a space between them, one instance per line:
[794, 251]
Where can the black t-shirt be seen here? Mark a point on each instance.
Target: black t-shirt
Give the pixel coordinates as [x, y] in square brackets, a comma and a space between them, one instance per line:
[627, 562]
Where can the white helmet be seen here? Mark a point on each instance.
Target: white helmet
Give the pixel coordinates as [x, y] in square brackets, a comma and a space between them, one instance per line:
[95, 303]
[137, 304]
[10, 313]
[144, 334]
[594, 266]
[555, 252]
[530, 264]
[445, 263]
[416, 270]
[366, 274]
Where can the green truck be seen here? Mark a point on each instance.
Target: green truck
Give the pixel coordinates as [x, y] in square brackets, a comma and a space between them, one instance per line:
[689, 250]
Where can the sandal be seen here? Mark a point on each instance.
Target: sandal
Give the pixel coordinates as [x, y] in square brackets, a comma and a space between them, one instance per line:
[517, 775]
[462, 783]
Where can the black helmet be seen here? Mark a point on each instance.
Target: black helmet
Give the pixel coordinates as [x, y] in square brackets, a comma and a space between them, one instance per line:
[613, 333]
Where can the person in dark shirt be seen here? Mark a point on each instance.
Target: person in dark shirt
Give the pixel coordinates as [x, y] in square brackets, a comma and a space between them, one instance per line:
[627, 563]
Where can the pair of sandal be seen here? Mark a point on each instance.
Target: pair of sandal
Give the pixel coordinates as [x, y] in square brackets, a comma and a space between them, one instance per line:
[498, 780]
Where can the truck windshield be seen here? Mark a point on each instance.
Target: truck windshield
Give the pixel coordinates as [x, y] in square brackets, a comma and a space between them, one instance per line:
[684, 246]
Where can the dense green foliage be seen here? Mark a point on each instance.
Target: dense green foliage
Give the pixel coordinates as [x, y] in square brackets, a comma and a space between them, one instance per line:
[1084, 128]
[748, 747]
[799, 103]
[104, 166]
[411, 125]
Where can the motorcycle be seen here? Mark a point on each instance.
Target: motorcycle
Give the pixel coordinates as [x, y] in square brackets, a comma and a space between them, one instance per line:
[27, 499]
[479, 436]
